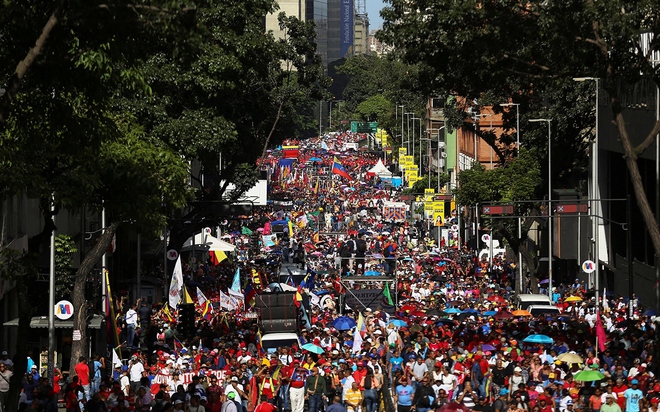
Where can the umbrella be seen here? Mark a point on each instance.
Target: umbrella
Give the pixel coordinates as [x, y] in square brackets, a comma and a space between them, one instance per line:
[344, 323]
[484, 347]
[415, 328]
[310, 347]
[433, 312]
[497, 298]
[573, 299]
[371, 273]
[489, 313]
[546, 340]
[649, 312]
[452, 310]
[456, 303]
[521, 312]
[446, 322]
[544, 281]
[588, 376]
[570, 358]
[408, 308]
[398, 323]
[417, 313]
[470, 310]
[453, 407]
[503, 314]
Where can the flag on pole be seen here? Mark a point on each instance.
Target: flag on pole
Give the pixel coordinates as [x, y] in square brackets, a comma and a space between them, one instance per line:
[290, 223]
[116, 360]
[606, 305]
[339, 169]
[357, 336]
[600, 332]
[186, 296]
[204, 303]
[168, 314]
[236, 284]
[386, 293]
[227, 302]
[110, 309]
[176, 284]
[308, 282]
[217, 256]
[316, 188]
[250, 293]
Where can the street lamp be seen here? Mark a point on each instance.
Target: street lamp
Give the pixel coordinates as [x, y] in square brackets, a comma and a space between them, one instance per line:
[549, 121]
[339, 108]
[408, 115]
[520, 266]
[595, 194]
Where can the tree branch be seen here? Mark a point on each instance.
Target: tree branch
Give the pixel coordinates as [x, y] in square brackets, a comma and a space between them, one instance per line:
[14, 83]
[650, 139]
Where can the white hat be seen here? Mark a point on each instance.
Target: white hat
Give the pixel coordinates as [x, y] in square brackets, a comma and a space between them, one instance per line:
[517, 369]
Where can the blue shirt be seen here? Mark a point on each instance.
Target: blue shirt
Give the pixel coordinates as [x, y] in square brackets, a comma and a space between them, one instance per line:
[632, 399]
[396, 363]
[336, 407]
[404, 394]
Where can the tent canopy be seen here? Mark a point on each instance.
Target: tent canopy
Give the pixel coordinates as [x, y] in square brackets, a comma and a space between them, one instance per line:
[207, 243]
[42, 322]
[379, 169]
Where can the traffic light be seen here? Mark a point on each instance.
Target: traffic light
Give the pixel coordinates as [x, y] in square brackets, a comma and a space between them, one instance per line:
[186, 326]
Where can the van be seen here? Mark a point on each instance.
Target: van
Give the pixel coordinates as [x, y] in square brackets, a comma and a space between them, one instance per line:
[548, 310]
[524, 300]
[271, 341]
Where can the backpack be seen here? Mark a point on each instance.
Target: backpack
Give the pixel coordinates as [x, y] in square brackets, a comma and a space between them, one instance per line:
[361, 246]
[367, 383]
[387, 252]
[500, 405]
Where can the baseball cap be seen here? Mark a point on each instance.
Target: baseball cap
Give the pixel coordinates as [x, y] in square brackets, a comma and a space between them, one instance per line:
[634, 382]
[504, 392]
[569, 402]
[4, 352]
[517, 369]
[34, 367]
[178, 401]
[234, 379]
[231, 395]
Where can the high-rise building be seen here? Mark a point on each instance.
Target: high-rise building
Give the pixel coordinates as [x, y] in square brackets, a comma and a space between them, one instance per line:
[317, 10]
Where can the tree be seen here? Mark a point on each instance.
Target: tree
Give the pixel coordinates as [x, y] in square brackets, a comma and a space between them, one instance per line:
[517, 181]
[220, 105]
[397, 82]
[527, 49]
[61, 142]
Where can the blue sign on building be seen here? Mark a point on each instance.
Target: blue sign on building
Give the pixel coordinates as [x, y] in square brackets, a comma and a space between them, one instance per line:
[346, 28]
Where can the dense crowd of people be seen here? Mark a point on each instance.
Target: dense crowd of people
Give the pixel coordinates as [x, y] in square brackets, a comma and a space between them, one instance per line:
[445, 334]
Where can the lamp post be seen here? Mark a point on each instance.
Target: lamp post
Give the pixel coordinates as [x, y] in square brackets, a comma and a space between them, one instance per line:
[550, 240]
[330, 116]
[420, 140]
[520, 266]
[408, 115]
[595, 194]
[438, 189]
[402, 109]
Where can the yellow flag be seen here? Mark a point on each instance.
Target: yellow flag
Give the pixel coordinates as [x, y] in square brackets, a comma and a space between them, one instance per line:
[290, 229]
[186, 296]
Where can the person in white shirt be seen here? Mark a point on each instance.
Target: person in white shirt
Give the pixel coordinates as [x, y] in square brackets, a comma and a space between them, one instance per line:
[131, 319]
[135, 373]
[236, 388]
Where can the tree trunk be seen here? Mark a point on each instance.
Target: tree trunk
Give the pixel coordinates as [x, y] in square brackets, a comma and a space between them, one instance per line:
[79, 347]
[21, 352]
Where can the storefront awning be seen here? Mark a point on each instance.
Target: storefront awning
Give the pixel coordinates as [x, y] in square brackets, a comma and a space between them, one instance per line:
[42, 322]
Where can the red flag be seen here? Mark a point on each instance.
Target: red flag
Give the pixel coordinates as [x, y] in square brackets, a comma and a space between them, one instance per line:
[600, 333]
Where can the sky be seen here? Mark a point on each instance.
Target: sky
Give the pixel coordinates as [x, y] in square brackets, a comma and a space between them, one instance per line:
[373, 10]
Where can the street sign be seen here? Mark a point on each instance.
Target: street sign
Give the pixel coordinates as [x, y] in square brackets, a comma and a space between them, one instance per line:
[588, 266]
[497, 210]
[172, 254]
[572, 208]
[485, 238]
[444, 198]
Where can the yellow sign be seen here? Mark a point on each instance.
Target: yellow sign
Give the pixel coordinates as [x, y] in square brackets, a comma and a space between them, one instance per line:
[412, 168]
[412, 173]
[428, 206]
[428, 194]
[402, 152]
[439, 212]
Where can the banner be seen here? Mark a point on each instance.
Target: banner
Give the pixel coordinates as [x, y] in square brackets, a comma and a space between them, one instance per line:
[186, 378]
[346, 25]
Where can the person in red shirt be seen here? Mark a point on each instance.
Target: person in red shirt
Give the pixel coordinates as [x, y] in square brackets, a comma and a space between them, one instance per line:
[618, 390]
[360, 373]
[265, 405]
[545, 405]
[82, 371]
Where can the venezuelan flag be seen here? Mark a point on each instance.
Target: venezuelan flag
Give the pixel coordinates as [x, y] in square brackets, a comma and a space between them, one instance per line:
[339, 169]
[250, 293]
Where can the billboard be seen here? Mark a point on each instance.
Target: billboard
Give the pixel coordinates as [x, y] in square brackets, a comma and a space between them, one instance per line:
[346, 45]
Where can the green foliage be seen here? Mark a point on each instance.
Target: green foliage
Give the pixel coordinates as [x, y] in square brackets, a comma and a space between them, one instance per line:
[374, 109]
[65, 247]
[419, 186]
[517, 181]
[387, 80]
